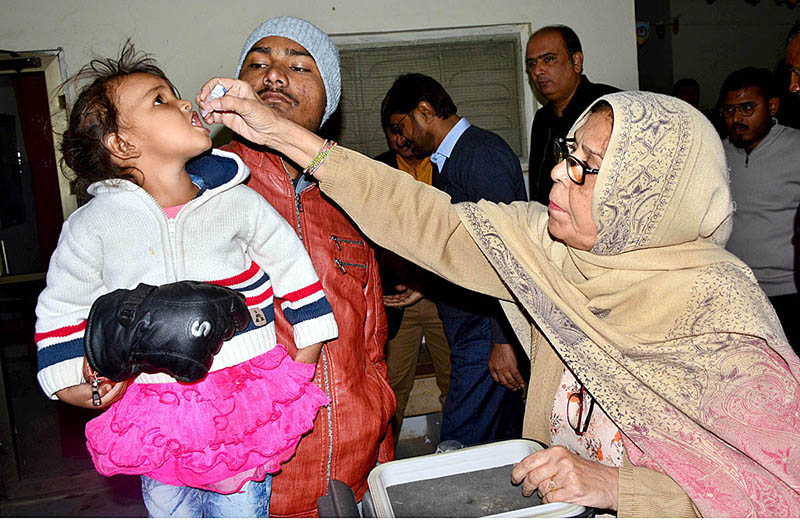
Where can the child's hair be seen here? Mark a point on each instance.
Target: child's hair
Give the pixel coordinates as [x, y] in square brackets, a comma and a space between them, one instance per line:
[94, 116]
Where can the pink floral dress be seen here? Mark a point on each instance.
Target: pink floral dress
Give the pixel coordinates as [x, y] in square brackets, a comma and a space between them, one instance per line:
[602, 440]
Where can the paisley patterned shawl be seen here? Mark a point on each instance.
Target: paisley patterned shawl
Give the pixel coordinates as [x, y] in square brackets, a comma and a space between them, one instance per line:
[669, 332]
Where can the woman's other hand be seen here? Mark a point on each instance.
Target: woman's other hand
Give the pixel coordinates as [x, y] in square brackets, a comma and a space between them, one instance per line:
[558, 475]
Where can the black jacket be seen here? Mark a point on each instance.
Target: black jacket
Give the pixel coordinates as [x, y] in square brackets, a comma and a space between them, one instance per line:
[547, 127]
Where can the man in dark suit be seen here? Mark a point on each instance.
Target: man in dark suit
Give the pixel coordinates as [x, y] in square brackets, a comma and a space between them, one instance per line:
[484, 402]
[554, 60]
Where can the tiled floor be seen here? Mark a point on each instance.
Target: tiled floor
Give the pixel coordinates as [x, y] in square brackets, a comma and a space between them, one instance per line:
[50, 448]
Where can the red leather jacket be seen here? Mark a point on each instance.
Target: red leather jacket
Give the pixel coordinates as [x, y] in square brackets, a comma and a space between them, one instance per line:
[350, 435]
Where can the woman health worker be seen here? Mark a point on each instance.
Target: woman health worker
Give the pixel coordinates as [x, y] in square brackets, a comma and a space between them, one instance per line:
[661, 376]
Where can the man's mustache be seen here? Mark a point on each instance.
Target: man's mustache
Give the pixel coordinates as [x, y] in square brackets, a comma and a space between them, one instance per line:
[281, 91]
[739, 127]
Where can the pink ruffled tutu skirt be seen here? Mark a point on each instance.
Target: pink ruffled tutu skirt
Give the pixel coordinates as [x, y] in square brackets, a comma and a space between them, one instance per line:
[236, 425]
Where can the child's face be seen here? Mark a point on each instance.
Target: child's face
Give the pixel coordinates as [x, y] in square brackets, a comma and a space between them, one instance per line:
[162, 128]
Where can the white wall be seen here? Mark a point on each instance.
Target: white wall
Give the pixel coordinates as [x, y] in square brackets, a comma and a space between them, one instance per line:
[196, 39]
[717, 39]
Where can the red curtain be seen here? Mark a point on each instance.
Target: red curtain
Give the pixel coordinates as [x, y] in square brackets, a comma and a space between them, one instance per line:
[31, 93]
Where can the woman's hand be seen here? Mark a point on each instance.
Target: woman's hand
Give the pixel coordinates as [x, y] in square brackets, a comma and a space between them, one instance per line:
[561, 476]
[241, 110]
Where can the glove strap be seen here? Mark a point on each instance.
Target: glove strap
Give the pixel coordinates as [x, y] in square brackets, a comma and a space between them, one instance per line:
[127, 311]
[94, 380]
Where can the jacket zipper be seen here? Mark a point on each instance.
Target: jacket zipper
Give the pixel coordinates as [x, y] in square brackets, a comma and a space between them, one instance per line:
[171, 228]
[340, 241]
[171, 232]
[341, 265]
[330, 418]
[298, 209]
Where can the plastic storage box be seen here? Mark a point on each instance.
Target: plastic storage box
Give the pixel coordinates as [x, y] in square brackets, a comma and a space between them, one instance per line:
[460, 483]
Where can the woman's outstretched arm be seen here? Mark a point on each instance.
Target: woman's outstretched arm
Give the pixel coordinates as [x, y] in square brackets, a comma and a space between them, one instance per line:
[403, 215]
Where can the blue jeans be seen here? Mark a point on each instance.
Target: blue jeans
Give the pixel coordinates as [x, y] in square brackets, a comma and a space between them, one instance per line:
[477, 409]
[164, 500]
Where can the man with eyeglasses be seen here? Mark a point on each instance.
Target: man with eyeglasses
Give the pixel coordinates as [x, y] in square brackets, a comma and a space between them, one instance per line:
[484, 402]
[764, 161]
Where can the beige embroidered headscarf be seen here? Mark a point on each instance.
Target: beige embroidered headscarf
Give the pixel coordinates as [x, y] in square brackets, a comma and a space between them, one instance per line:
[668, 332]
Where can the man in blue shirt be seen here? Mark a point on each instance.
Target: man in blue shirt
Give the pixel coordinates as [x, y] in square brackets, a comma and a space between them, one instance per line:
[486, 385]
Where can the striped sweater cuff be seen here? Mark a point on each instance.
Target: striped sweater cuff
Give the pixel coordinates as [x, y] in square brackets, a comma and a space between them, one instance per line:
[60, 376]
[315, 330]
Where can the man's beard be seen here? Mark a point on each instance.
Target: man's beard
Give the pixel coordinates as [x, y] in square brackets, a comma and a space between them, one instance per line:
[746, 140]
[738, 140]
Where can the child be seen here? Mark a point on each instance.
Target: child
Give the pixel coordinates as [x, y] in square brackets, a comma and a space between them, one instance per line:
[206, 448]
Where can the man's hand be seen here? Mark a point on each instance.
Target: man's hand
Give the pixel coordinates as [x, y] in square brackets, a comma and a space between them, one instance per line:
[503, 367]
[558, 475]
[404, 298]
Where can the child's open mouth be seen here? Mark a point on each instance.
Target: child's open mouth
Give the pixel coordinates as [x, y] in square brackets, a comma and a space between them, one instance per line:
[196, 121]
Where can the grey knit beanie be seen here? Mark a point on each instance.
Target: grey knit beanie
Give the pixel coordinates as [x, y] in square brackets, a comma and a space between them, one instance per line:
[316, 42]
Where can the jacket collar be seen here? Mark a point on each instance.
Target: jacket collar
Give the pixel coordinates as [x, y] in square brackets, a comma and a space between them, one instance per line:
[216, 171]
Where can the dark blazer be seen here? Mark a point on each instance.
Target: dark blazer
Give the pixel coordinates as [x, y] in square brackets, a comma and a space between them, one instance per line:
[481, 167]
[547, 127]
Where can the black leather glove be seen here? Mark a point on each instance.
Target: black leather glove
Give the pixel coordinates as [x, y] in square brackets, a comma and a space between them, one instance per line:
[176, 328]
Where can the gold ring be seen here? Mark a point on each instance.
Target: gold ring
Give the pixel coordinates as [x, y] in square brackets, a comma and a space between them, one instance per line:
[551, 486]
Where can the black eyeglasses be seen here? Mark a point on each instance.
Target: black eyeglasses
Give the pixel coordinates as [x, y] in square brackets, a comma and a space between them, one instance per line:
[395, 128]
[575, 405]
[746, 109]
[577, 169]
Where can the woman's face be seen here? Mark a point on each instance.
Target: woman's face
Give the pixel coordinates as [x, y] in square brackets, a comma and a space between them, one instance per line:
[570, 206]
